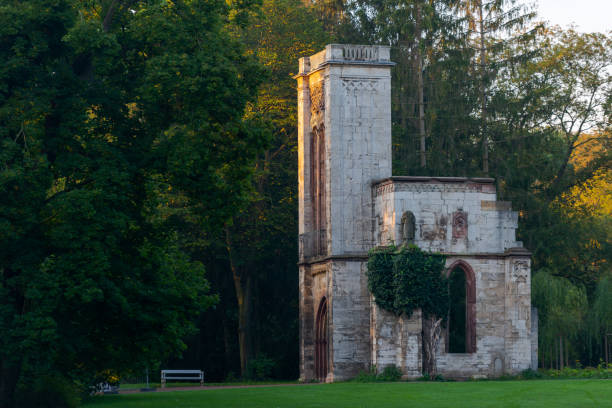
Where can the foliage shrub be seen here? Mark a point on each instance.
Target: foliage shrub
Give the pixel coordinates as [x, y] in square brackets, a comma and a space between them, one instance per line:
[530, 374]
[406, 278]
[437, 377]
[602, 371]
[231, 377]
[380, 277]
[49, 391]
[260, 368]
[366, 376]
[420, 282]
[388, 374]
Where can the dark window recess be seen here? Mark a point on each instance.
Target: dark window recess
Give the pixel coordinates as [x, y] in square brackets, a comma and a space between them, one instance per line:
[321, 347]
[458, 313]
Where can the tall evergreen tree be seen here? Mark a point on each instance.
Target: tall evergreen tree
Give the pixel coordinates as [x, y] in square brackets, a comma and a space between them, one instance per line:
[491, 26]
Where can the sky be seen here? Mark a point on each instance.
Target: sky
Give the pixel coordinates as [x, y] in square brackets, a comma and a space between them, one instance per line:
[587, 15]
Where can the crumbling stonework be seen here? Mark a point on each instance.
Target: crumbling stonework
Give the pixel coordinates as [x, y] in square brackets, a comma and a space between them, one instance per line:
[349, 203]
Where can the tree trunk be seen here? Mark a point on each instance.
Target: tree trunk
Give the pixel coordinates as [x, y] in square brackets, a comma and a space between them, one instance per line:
[243, 286]
[560, 353]
[227, 344]
[483, 92]
[566, 355]
[607, 351]
[244, 293]
[556, 354]
[420, 91]
[431, 338]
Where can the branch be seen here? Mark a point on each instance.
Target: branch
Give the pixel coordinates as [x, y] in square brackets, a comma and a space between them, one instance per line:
[108, 19]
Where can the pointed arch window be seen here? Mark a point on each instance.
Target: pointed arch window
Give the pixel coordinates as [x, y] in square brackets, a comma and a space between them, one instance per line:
[321, 343]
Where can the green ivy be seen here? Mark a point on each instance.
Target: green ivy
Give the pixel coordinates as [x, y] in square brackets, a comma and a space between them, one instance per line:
[403, 279]
[380, 277]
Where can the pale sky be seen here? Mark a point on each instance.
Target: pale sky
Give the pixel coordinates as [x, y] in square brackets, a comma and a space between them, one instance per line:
[587, 15]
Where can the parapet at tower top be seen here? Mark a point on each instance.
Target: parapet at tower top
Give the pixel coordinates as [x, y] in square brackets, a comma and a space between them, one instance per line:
[346, 54]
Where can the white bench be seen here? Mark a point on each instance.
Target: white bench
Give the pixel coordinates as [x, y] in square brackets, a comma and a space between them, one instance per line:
[190, 375]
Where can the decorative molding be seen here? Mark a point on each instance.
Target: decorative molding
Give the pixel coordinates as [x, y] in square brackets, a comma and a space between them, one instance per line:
[359, 52]
[317, 104]
[360, 84]
[520, 270]
[430, 187]
[460, 224]
[423, 184]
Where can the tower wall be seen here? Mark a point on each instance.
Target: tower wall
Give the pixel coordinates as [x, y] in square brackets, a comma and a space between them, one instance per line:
[349, 203]
[344, 145]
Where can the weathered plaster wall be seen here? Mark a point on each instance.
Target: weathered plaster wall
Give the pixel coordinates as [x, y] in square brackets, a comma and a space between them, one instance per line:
[359, 120]
[351, 319]
[491, 224]
[306, 323]
[396, 341]
[485, 242]
[345, 92]
[534, 338]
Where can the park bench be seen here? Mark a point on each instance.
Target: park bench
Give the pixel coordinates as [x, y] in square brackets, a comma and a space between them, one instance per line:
[190, 375]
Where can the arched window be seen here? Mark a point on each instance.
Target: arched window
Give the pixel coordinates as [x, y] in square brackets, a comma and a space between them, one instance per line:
[461, 327]
[317, 184]
[321, 355]
[408, 224]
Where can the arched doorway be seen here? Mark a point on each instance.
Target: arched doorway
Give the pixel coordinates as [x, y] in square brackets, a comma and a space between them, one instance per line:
[461, 327]
[321, 355]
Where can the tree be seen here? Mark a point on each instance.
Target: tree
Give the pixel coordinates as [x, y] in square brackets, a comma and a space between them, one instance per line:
[405, 279]
[579, 66]
[115, 119]
[601, 315]
[253, 261]
[282, 31]
[551, 147]
[561, 309]
[487, 21]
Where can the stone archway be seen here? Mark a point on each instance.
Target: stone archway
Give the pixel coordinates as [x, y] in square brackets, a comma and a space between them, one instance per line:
[321, 342]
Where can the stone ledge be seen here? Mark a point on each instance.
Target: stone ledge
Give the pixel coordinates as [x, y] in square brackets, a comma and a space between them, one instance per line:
[346, 257]
[346, 54]
[517, 251]
[434, 179]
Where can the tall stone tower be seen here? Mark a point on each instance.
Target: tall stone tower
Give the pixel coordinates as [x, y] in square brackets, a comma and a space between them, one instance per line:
[344, 145]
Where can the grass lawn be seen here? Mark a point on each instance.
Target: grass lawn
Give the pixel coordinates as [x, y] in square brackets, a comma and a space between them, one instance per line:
[479, 394]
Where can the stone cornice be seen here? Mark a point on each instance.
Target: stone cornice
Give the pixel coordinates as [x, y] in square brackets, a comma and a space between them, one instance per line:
[510, 252]
[426, 183]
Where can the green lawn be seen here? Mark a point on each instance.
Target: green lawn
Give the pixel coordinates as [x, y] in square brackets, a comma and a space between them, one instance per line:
[480, 394]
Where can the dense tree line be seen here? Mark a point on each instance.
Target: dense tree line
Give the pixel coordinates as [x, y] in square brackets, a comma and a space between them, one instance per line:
[149, 158]
[121, 125]
[480, 88]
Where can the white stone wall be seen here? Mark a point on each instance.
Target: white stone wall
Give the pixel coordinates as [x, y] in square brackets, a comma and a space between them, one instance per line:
[433, 201]
[356, 83]
[396, 340]
[350, 320]
[502, 281]
[518, 313]
[490, 323]
[359, 124]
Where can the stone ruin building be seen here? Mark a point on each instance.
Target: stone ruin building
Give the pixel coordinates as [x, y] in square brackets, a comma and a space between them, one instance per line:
[349, 202]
